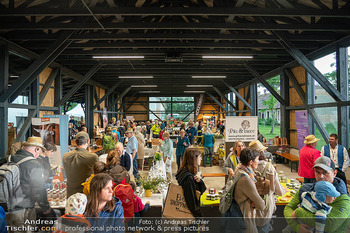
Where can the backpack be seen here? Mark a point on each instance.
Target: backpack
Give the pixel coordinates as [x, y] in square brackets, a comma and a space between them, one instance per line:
[262, 184]
[232, 218]
[126, 195]
[108, 142]
[10, 185]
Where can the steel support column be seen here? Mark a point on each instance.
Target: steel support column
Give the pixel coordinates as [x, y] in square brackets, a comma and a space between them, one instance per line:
[237, 94]
[119, 97]
[89, 109]
[224, 97]
[266, 84]
[310, 92]
[81, 82]
[37, 67]
[58, 91]
[33, 100]
[216, 101]
[253, 100]
[4, 79]
[343, 87]
[309, 67]
[285, 114]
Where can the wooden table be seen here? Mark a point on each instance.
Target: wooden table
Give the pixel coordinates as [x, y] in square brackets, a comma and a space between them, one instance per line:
[98, 149]
[213, 175]
[292, 158]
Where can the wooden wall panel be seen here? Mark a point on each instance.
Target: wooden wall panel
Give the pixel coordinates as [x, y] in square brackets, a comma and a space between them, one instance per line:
[243, 93]
[49, 99]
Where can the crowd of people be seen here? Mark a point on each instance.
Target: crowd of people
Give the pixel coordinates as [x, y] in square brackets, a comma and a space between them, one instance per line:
[321, 205]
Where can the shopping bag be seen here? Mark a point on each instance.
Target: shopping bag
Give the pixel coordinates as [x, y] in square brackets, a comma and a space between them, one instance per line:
[175, 203]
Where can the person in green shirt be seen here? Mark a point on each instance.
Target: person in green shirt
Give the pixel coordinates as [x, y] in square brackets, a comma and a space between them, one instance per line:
[337, 219]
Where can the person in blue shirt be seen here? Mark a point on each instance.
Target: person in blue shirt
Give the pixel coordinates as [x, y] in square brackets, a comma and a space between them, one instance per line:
[182, 143]
[192, 131]
[162, 125]
[208, 142]
[104, 212]
[2, 220]
[131, 148]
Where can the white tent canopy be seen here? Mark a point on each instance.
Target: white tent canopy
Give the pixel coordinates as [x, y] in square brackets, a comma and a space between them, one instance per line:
[76, 112]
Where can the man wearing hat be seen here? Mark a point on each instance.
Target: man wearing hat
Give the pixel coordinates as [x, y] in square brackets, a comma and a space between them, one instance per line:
[307, 156]
[78, 164]
[324, 170]
[32, 183]
[338, 154]
[131, 148]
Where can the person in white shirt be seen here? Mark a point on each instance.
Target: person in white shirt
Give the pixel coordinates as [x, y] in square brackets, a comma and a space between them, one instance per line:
[338, 154]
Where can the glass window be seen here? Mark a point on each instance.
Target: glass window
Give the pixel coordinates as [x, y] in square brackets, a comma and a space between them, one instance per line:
[327, 66]
[183, 98]
[21, 100]
[328, 117]
[159, 99]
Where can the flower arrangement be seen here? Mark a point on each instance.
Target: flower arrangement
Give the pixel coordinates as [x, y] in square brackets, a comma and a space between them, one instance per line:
[158, 156]
[152, 183]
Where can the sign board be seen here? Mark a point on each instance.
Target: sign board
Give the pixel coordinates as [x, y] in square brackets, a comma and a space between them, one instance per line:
[241, 128]
[301, 118]
[129, 118]
[49, 131]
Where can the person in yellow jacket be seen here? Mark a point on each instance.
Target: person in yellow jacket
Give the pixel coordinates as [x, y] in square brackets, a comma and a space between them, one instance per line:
[155, 130]
[233, 159]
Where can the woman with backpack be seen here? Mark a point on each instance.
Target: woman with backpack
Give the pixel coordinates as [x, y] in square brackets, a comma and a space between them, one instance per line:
[102, 210]
[108, 141]
[190, 182]
[268, 172]
[246, 193]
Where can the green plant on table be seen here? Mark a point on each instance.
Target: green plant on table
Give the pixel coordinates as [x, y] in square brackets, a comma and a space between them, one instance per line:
[158, 156]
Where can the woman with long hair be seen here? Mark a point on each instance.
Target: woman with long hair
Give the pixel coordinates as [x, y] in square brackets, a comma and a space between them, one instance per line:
[103, 210]
[190, 182]
[246, 194]
[233, 159]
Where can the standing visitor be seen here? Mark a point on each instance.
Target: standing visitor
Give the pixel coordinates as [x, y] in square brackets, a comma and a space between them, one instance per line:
[167, 149]
[131, 148]
[190, 182]
[233, 159]
[208, 141]
[307, 156]
[338, 154]
[182, 143]
[78, 164]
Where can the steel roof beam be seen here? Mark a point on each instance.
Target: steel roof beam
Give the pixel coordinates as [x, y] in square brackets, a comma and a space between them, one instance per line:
[13, 25]
[176, 11]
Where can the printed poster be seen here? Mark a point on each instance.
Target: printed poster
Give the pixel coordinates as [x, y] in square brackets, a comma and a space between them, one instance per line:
[302, 121]
[49, 131]
[241, 128]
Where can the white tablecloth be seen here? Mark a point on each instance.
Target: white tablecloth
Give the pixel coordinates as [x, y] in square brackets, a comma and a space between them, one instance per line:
[155, 200]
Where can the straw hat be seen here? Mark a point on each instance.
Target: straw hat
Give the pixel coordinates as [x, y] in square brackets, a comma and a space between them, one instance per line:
[34, 141]
[256, 145]
[129, 130]
[310, 139]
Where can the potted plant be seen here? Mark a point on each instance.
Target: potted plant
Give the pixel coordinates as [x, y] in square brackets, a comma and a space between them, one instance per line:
[148, 185]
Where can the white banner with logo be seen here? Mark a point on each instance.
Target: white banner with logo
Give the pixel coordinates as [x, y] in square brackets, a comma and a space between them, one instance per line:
[241, 128]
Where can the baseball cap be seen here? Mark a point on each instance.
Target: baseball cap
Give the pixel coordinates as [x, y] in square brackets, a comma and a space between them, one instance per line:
[325, 188]
[82, 134]
[324, 163]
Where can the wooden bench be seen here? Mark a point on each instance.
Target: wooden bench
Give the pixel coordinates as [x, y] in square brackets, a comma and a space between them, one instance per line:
[292, 158]
[213, 175]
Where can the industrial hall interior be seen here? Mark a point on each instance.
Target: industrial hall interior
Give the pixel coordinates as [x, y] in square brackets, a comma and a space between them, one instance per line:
[245, 102]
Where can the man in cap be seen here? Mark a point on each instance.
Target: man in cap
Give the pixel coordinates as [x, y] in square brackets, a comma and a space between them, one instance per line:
[307, 156]
[338, 218]
[78, 164]
[338, 154]
[32, 184]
